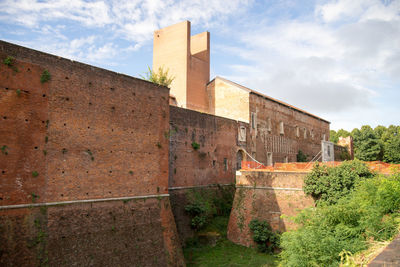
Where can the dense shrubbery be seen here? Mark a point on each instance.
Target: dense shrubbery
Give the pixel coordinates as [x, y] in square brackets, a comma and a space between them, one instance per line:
[204, 204]
[266, 239]
[329, 184]
[369, 212]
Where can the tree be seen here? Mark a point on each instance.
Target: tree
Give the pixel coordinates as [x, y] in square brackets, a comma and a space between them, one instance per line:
[391, 143]
[367, 146]
[334, 136]
[160, 77]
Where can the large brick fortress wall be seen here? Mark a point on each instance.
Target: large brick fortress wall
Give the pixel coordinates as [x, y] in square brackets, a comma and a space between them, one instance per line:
[266, 195]
[213, 163]
[84, 166]
[278, 131]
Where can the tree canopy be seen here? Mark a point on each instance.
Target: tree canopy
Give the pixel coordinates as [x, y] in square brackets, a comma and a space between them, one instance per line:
[381, 143]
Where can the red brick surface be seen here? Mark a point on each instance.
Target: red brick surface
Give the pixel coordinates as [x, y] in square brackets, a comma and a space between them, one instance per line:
[287, 144]
[266, 196]
[105, 136]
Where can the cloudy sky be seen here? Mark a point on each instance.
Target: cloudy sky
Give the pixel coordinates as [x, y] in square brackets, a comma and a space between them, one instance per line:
[337, 59]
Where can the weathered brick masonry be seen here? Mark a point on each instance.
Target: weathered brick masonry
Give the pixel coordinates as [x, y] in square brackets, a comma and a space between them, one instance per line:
[281, 130]
[265, 195]
[87, 134]
[213, 163]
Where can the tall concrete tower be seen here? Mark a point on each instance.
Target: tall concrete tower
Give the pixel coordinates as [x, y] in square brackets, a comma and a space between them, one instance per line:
[188, 60]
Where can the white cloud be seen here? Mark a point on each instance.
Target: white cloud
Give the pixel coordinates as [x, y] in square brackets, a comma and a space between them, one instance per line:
[109, 22]
[340, 64]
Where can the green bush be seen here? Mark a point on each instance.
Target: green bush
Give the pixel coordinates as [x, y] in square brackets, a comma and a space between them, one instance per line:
[45, 76]
[204, 204]
[329, 184]
[266, 239]
[370, 212]
[301, 157]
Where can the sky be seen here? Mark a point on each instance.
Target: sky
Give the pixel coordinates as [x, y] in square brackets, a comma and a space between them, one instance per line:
[339, 60]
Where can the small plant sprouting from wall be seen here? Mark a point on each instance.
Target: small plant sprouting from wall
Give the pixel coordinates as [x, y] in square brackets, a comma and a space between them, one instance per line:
[34, 197]
[47, 124]
[46, 139]
[131, 172]
[18, 92]
[35, 174]
[4, 149]
[9, 61]
[195, 145]
[45, 76]
[159, 145]
[45, 152]
[160, 77]
[90, 154]
[266, 239]
[64, 150]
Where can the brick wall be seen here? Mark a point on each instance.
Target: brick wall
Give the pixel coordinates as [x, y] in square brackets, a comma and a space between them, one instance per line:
[301, 131]
[86, 134]
[214, 162]
[265, 195]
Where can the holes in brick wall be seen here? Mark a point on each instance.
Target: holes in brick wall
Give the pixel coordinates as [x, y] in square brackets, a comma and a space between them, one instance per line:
[67, 98]
[43, 95]
[63, 172]
[87, 171]
[43, 122]
[112, 130]
[36, 147]
[112, 89]
[110, 171]
[5, 117]
[90, 103]
[6, 88]
[65, 124]
[113, 108]
[109, 192]
[62, 195]
[3, 172]
[66, 78]
[26, 120]
[87, 194]
[134, 94]
[88, 127]
[111, 151]
[28, 69]
[150, 115]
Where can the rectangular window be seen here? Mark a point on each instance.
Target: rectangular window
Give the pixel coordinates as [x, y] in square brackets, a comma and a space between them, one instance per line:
[225, 164]
[281, 128]
[297, 131]
[253, 120]
[305, 133]
[286, 159]
[324, 137]
[269, 126]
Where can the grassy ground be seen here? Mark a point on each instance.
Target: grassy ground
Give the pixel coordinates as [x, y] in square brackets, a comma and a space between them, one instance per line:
[225, 253]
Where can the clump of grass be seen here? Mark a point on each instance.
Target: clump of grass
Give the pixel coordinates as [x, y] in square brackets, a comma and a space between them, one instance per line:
[131, 172]
[90, 154]
[4, 150]
[8, 61]
[34, 197]
[159, 145]
[35, 174]
[195, 145]
[18, 92]
[45, 76]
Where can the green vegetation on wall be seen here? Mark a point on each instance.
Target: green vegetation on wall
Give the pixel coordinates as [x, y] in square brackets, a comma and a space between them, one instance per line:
[160, 77]
[204, 204]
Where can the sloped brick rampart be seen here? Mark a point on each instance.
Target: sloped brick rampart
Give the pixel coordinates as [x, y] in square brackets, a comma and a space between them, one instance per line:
[266, 195]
